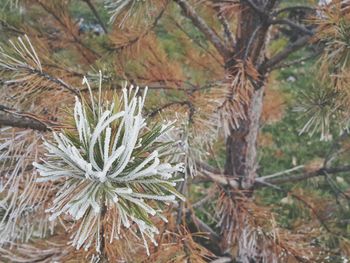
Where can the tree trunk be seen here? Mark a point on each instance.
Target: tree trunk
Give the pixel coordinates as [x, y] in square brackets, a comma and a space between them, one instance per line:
[241, 148]
[241, 144]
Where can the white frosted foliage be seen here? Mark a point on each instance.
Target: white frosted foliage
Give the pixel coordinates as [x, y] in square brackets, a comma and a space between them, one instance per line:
[112, 161]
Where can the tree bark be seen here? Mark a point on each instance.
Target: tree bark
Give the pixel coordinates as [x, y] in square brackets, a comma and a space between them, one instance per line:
[7, 119]
[12, 118]
[241, 144]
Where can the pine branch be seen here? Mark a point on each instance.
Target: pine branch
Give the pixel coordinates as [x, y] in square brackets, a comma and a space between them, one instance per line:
[300, 199]
[170, 104]
[303, 176]
[264, 181]
[258, 9]
[12, 118]
[24, 66]
[94, 11]
[222, 260]
[203, 227]
[144, 34]
[80, 45]
[295, 8]
[296, 61]
[52, 79]
[9, 28]
[227, 31]
[196, 41]
[293, 25]
[199, 22]
[275, 60]
[144, 184]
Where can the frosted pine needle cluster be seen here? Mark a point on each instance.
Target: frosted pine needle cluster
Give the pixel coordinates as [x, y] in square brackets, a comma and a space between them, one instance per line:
[112, 165]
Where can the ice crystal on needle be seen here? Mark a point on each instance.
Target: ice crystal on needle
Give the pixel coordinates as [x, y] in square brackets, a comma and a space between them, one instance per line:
[111, 162]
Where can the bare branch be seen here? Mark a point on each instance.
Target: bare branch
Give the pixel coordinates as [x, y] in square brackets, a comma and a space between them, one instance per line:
[284, 172]
[269, 180]
[214, 175]
[9, 117]
[94, 11]
[303, 176]
[293, 25]
[294, 8]
[170, 104]
[207, 167]
[203, 227]
[300, 199]
[9, 28]
[227, 30]
[196, 41]
[203, 201]
[191, 13]
[222, 260]
[275, 60]
[256, 8]
[296, 61]
[251, 41]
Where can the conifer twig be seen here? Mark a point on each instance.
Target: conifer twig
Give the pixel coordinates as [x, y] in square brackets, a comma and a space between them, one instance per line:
[94, 11]
[12, 118]
[200, 23]
[293, 25]
[275, 180]
[145, 32]
[80, 45]
[279, 57]
[227, 31]
[170, 104]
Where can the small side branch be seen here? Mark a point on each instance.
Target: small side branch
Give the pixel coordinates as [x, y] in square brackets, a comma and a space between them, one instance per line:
[199, 22]
[9, 117]
[94, 11]
[261, 11]
[52, 79]
[270, 180]
[9, 28]
[144, 34]
[227, 31]
[302, 176]
[296, 61]
[196, 41]
[292, 25]
[203, 227]
[170, 104]
[295, 8]
[309, 206]
[275, 60]
[82, 47]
